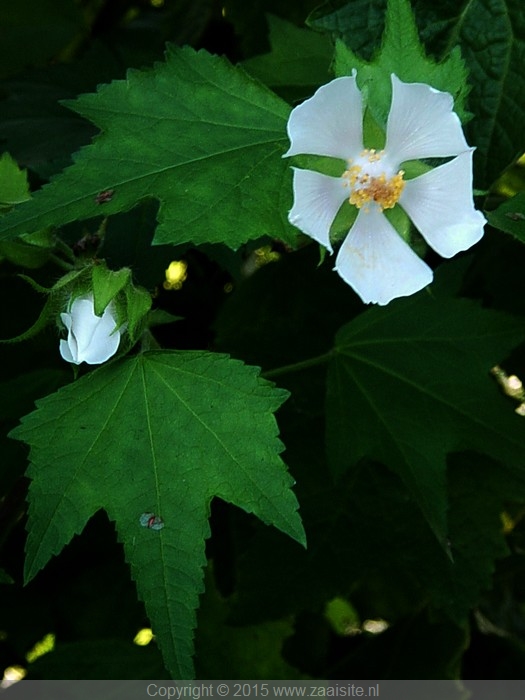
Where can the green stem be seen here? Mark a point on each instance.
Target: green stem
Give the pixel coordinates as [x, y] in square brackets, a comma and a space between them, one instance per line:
[298, 366]
[61, 263]
[64, 249]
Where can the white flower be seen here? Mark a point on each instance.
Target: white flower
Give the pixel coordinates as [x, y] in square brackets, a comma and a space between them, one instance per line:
[90, 338]
[373, 257]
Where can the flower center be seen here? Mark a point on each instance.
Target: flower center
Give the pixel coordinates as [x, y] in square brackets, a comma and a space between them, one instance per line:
[371, 181]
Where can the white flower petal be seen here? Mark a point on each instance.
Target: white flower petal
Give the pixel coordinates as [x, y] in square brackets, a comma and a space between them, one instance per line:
[422, 123]
[91, 338]
[84, 324]
[330, 123]
[377, 263]
[104, 341]
[66, 352]
[66, 320]
[441, 207]
[317, 199]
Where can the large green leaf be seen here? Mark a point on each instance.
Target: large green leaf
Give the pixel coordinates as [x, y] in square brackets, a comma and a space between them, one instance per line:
[197, 134]
[410, 382]
[152, 440]
[368, 538]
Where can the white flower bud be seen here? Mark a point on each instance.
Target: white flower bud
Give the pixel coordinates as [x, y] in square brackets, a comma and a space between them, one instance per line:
[90, 338]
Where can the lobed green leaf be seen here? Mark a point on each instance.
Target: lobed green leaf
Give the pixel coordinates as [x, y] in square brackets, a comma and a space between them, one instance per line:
[151, 440]
[197, 134]
[410, 383]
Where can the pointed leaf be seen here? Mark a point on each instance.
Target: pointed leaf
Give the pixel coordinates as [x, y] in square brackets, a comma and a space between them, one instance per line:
[411, 382]
[14, 187]
[152, 440]
[29, 251]
[196, 133]
[403, 54]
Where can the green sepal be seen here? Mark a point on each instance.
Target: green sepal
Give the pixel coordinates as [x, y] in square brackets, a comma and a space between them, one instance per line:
[107, 284]
[29, 250]
[414, 168]
[400, 222]
[160, 317]
[373, 135]
[327, 165]
[72, 279]
[132, 303]
[55, 303]
[343, 222]
[138, 304]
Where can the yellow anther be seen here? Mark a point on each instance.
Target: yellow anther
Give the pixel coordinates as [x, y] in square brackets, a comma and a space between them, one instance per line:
[371, 155]
[366, 188]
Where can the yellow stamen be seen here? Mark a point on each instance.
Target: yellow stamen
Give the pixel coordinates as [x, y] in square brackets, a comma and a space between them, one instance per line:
[366, 188]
